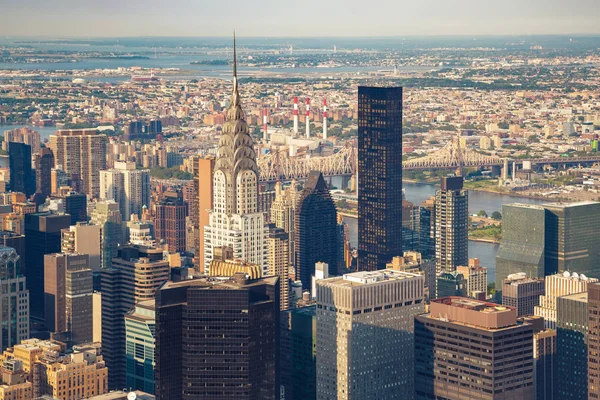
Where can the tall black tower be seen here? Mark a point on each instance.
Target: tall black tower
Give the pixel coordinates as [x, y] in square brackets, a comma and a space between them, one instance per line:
[315, 230]
[379, 176]
[21, 175]
[218, 339]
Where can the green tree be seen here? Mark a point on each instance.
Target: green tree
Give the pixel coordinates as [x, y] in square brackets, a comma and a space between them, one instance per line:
[482, 213]
[496, 215]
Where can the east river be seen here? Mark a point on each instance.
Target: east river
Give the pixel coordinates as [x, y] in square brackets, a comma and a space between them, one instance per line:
[490, 202]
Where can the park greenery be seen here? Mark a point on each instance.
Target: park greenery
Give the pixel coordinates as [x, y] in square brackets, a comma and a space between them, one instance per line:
[170, 173]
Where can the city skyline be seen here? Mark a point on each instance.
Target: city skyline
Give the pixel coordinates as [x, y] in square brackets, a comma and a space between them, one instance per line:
[275, 19]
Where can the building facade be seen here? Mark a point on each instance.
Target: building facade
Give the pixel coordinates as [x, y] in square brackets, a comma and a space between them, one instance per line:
[364, 327]
[81, 152]
[169, 221]
[457, 344]
[107, 216]
[14, 299]
[379, 176]
[128, 186]
[134, 276]
[140, 324]
[21, 176]
[593, 341]
[235, 220]
[451, 225]
[476, 277]
[315, 230]
[233, 324]
[522, 293]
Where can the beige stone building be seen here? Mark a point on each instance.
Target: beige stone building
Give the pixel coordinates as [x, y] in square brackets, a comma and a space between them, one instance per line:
[365, 335]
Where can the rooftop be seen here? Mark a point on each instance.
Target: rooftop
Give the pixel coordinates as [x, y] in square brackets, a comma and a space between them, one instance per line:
[472, 304]
[370, 277]
[579, 297]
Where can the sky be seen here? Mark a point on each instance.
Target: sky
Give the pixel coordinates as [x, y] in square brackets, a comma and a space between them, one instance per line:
[309, 18]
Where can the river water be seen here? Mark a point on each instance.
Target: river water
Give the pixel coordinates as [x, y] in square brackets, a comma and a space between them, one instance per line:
[490, 202]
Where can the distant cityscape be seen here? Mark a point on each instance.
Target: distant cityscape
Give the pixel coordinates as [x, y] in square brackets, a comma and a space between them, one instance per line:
[333, 218]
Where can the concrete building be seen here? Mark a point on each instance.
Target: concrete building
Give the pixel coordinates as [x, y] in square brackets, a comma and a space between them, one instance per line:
[68, 299]
[379, 155]
[14, 382]
[279, 262]
[140, 347]
[203, 201]
[556, 286]
[452, 225]
[83, 238]
[128, 186]
[107, 216]
[242, 316]
[81, 152]
[365, 326]
[169, 221]
[476, 277]
[412, 261]
[14, 300]
[235, 220]
[571, 347]
[593, 342]
[283, 211]
[81, 374]
[135, 274]
[457, 344]
[522, 293]
[299, 353]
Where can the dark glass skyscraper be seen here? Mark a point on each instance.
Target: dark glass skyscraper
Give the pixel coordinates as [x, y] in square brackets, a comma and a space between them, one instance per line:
[315, 230]
[76, 207]
[379, 176]
[21, 176]
[42, 236]
[451, 225]
[218, 339]
[43, 171]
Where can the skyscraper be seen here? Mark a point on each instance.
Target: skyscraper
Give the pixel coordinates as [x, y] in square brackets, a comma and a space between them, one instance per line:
[522, 293]
[233, 324]
[42, 236]
[107, 216]
[593, 342]
[558, 285]
[81, 152]
[14, 300]
[83, 238]
[379, 176]
[140, 347]
[68, 296]
[279, 262]
[427, 228]
[449, 366]
[365, 341]
[203, 190]
[128, 186]
[283, 211]
[235, 220]
[571, 347]
[169, 221]
[43, 170]
[410, 226]
[572, 237]
[315, 230]
[452, 225]
[549, 239]
[21, 175]
[76, 207]
[299, 353]
[523, 242]
[134, 276]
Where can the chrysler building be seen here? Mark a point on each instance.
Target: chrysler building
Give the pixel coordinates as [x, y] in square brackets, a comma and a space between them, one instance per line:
[235, 220]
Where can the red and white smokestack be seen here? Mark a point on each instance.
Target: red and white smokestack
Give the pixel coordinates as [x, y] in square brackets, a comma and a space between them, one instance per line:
[295, 115]
[265, 124]
[324, 119]
[307, 118]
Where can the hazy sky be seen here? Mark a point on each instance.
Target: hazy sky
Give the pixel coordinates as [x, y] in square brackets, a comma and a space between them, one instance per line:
[296, 18]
